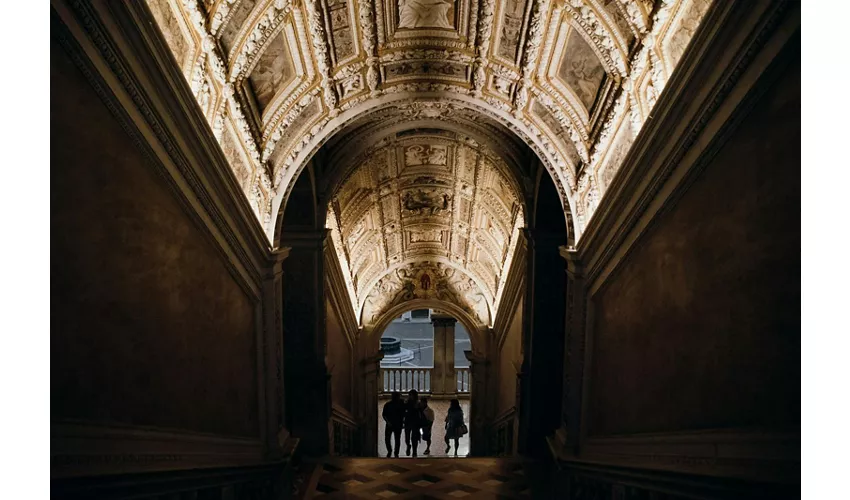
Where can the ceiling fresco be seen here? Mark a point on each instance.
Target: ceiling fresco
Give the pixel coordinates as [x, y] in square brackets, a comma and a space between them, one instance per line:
[429, 214]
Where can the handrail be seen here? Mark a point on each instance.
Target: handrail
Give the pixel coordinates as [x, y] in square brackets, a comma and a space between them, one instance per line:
[502, 437]
[345, 433]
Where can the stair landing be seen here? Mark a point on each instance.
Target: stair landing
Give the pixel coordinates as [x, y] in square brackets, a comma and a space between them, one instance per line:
[422, 478]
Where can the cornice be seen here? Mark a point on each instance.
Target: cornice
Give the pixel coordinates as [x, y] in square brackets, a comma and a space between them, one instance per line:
[340, 300]
[513, 291]
[708, 69]
[149, 96]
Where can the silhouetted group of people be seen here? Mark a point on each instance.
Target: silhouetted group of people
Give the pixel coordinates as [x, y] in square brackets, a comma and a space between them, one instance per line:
[416, 418]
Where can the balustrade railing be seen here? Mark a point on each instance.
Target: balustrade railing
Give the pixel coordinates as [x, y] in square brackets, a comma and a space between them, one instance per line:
[502, 436]
[462, 376]
[345, 437]
[405, 379]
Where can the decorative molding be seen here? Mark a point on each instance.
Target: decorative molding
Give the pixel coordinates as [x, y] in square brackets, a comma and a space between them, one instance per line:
[247, 274]
[484, 30]
[323, 59]
[366, 15]
[530, 53]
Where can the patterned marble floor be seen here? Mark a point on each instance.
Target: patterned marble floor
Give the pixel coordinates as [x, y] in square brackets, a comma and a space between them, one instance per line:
[438, 432]
[438, 478]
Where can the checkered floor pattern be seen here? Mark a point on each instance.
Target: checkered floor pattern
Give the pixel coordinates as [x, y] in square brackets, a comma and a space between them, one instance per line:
[424, 478]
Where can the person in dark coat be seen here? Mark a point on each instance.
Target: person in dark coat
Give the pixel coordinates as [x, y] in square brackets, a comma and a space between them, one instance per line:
[455, 428]
[412, 422]
[393, 415]
[427, 423]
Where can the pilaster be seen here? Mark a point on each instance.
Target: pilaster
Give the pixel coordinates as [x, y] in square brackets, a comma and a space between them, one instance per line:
[306, 375]
[273, 282]
[543, 342]
[479, 415]
[443, 376]
[370, 373]
[567, 437]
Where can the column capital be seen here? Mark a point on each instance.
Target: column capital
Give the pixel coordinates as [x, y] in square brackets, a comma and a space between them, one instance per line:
[275, 262]
[476, 358]
[575, 269]
[443, 321]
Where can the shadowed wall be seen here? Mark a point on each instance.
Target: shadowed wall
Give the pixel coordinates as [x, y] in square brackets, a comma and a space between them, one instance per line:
[339, 359]
[148, 327]
[699, 327]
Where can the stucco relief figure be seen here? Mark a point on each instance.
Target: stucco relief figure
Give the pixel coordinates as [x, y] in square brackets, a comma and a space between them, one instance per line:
[424, 14]
[425, 155]
[420, 203]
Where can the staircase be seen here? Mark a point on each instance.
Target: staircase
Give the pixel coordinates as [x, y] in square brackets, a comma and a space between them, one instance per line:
[421, 478]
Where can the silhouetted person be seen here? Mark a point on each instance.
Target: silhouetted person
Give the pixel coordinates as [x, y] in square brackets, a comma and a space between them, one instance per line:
[394, 417]
[455, 428]
[412, 422]
[427, 424]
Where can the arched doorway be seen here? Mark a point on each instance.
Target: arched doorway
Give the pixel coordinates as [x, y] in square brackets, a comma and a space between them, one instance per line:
[424, 350]
[441, 381]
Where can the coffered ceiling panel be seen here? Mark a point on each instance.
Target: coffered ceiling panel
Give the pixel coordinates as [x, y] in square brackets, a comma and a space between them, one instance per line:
[426, 200]
[562, 75]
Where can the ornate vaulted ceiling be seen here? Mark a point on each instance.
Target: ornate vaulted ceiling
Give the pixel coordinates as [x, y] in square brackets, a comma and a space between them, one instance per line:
[568, 81]
[426, 214]
[575, 79]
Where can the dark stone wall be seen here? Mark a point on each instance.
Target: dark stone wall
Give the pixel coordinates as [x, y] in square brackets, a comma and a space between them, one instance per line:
[700, 326]
[148, 327]
[339, 357]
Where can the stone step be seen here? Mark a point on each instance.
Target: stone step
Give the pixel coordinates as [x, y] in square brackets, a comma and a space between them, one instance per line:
[435, 478]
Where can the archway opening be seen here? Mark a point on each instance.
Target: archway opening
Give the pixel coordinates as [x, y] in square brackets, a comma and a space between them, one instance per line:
[424, 350]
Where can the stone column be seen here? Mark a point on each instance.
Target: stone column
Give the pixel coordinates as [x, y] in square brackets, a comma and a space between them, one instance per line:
[543, 342]
[478, 419]
[443, 380]
[370, 373]
[277, 433]
[308, 410]
[574, 355]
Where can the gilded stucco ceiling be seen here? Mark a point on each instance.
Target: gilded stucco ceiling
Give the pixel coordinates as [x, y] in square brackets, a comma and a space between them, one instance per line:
[570, 82]
[575, 79]
[428, 214]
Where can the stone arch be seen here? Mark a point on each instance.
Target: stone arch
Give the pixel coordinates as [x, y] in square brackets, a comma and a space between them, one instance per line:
[561, 172]
[477, 332]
